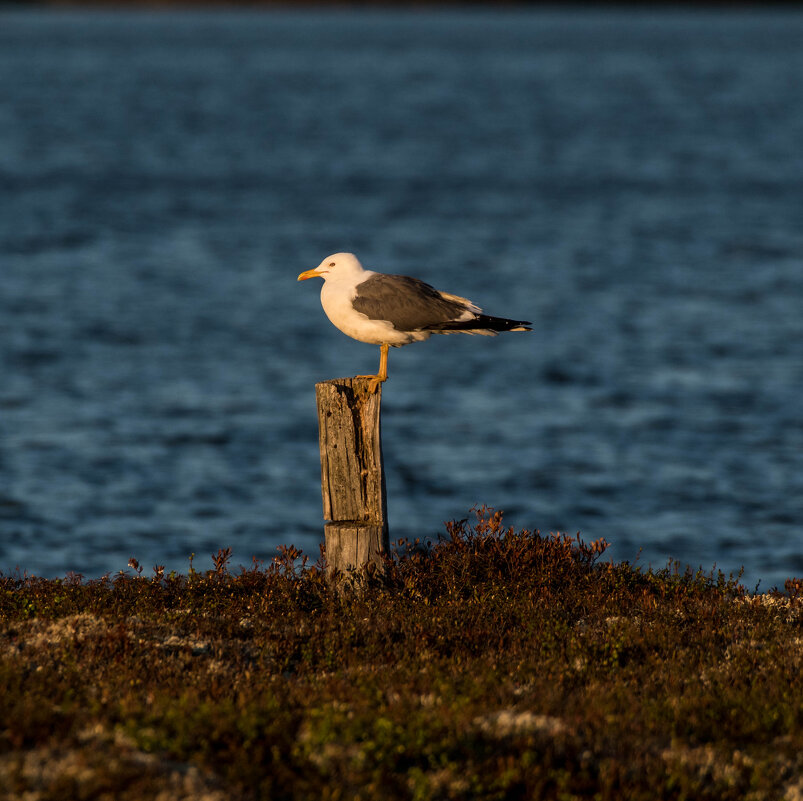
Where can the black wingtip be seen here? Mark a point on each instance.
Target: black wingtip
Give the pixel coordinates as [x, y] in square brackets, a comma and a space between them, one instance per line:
[501, 324]
[483, 322]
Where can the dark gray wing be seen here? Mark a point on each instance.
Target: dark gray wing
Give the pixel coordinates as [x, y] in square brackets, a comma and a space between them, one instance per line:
[407, 303]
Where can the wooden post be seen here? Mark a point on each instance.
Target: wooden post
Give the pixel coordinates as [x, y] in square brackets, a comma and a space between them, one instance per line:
[352, 479]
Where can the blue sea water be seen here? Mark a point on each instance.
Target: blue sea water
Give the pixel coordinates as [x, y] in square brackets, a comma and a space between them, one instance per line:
[630, 181]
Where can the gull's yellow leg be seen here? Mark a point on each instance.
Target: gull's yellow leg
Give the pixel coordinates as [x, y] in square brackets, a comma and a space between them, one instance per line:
[383, 362]
[382, 375]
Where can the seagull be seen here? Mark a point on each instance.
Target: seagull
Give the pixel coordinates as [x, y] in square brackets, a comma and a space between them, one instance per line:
[395, 310]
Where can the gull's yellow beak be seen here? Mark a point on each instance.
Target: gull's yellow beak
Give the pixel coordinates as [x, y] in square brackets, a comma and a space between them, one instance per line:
[309, 274]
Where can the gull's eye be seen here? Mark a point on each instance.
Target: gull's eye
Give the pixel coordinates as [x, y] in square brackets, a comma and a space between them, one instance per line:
[331, 264]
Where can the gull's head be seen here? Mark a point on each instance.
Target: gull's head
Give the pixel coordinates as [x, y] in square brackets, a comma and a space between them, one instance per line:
[338, 265]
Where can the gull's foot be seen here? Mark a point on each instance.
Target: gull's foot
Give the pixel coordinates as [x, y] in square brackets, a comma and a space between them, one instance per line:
[373, 383]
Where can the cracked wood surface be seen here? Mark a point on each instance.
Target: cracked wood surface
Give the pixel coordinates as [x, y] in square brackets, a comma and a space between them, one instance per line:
[352, 476]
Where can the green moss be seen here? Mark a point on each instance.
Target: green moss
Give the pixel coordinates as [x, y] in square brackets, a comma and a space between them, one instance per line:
[499, 665]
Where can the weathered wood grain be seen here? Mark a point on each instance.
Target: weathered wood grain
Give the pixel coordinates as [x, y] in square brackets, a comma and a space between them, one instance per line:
[352, 477]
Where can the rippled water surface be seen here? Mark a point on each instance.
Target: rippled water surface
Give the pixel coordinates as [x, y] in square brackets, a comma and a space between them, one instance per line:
[631, 183]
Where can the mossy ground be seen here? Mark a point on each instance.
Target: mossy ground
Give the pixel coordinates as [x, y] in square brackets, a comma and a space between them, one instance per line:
[500, 665]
